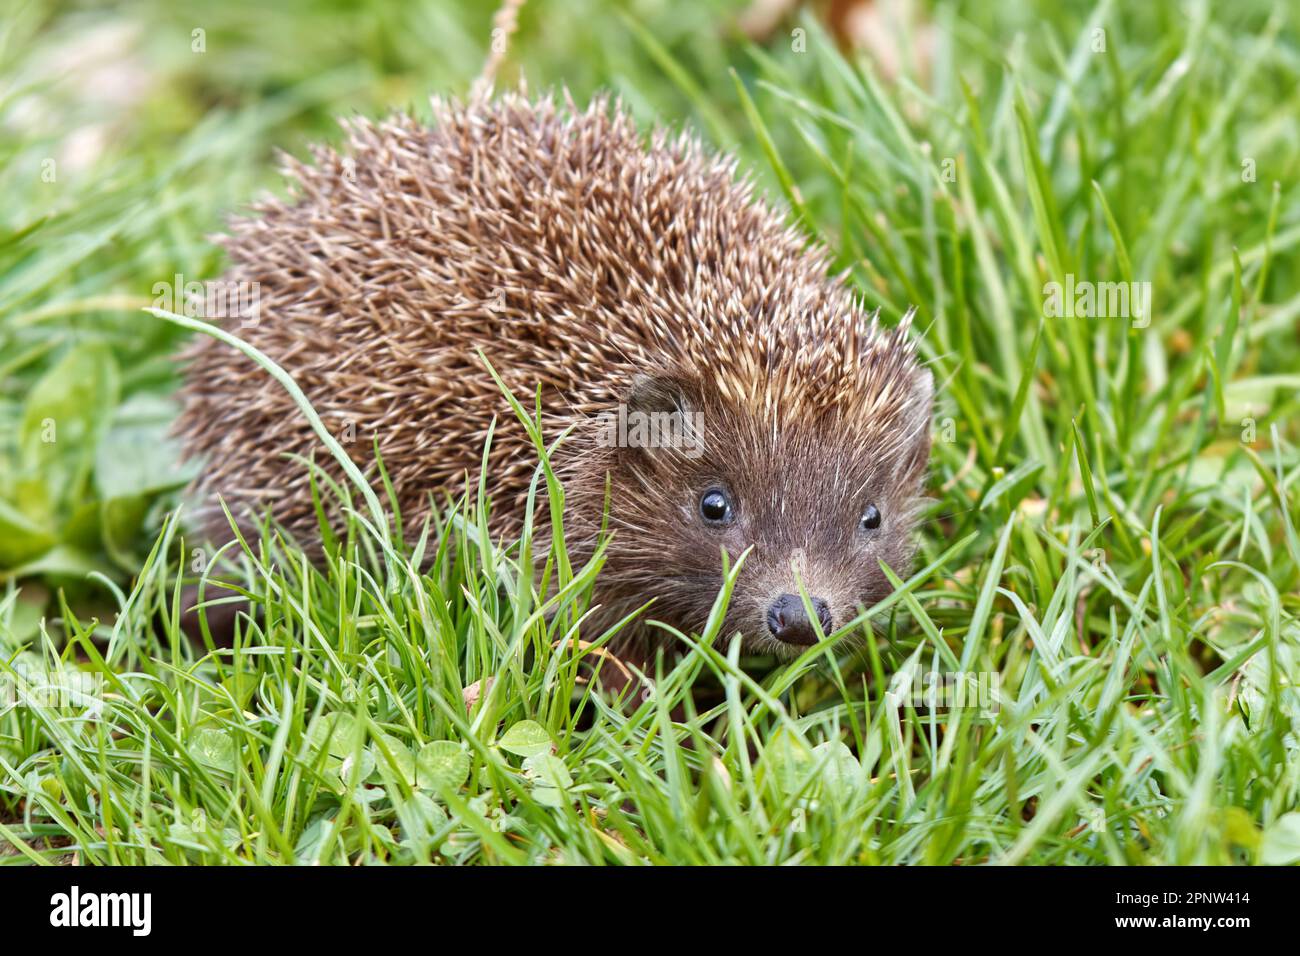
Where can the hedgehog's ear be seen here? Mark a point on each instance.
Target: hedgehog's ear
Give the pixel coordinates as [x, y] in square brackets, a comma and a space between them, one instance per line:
[658, 417]
[656, 393]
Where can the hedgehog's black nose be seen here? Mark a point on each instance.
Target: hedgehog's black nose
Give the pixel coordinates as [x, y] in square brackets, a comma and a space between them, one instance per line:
[788, 622]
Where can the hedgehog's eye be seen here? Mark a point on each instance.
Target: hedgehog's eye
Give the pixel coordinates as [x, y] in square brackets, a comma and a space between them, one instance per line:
[870, 518]
[715, 506]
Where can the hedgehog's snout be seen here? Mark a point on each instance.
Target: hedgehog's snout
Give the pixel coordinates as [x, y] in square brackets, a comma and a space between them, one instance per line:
[788, 620]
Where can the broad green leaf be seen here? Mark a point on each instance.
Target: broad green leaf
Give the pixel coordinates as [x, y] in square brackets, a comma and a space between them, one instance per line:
[401, 755]
[548, 770]
[20, 538]
[215, 748]
[441, 765]
[526, 739]
[840, 770]
[1281, 844]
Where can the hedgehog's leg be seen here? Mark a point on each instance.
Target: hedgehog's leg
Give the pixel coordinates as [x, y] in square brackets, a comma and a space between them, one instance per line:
[220, 619]
[207, 603]
[627, 671]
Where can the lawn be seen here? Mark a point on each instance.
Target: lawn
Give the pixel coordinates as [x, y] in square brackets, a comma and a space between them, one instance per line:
[1110, 546]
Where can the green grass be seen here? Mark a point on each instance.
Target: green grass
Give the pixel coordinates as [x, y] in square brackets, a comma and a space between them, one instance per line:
[1112, 539]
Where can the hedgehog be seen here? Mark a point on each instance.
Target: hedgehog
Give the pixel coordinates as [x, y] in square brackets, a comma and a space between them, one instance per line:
[721, 392]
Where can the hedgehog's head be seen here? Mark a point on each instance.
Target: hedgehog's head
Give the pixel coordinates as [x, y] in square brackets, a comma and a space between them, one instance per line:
[819, 495]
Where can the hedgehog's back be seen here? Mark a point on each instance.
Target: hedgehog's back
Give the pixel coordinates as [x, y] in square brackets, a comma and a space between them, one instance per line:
[556, 241]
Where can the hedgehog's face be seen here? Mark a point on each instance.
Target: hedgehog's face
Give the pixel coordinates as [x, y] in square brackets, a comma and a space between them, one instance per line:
[819, 506]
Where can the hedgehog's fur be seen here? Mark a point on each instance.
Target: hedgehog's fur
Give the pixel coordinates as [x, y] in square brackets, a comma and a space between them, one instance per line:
[608, 270]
